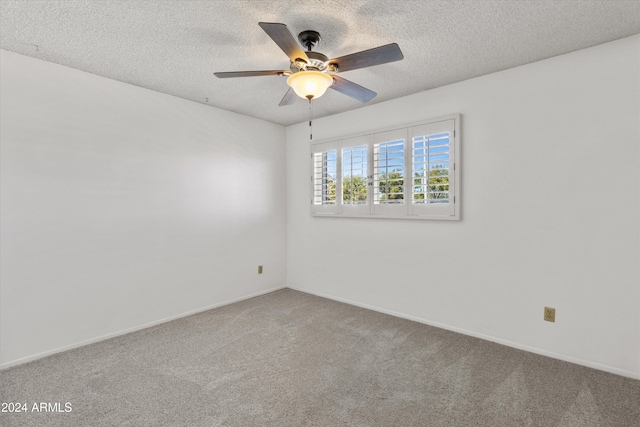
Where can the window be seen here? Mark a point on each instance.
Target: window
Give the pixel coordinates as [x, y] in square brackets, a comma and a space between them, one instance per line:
[354, 175]
[388, 172]
[432, 165]
[431, 168]
[408, 172]
[324, 179]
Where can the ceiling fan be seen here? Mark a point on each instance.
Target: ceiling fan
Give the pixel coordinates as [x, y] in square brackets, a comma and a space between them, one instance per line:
[310, 73]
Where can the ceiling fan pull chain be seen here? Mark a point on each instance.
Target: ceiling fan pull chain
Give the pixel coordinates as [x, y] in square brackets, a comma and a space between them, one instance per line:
[310, 120]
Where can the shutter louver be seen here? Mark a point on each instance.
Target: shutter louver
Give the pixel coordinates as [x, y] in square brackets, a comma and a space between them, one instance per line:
[431, 168]
[324, 178]
[354, 175]
[388, 172]
[432, 173]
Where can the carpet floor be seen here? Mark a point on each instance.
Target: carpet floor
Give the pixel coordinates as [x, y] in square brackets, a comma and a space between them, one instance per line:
[292, 359]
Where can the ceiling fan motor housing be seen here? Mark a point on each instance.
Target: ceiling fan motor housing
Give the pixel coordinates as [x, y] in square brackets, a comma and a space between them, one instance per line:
[316, 60]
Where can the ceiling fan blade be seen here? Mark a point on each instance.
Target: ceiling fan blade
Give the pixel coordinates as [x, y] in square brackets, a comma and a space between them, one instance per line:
[228, 74]
[353, 90]
[285, 40]
[368, 58]
[288, 98]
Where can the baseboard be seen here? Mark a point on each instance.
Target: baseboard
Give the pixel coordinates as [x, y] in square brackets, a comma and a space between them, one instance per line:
[136, 328]
[508, 343]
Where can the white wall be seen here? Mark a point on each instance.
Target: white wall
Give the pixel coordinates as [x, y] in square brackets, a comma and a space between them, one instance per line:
[123, 207]
[550, 208]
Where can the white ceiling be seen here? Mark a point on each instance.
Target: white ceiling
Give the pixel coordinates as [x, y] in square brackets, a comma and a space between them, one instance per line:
[174, 46]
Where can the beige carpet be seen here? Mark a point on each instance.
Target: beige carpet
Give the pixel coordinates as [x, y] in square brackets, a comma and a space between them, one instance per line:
[292, 359]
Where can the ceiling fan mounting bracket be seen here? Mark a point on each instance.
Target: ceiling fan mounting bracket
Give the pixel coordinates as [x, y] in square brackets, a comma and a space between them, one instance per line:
[309, 39]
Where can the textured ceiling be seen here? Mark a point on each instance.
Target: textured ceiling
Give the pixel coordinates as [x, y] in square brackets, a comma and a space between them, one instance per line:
[174, 46]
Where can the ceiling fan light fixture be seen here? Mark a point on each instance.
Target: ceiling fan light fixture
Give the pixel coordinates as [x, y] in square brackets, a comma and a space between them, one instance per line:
[310, 84]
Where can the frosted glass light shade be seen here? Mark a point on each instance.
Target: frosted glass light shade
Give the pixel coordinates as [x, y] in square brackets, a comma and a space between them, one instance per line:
[309, 84]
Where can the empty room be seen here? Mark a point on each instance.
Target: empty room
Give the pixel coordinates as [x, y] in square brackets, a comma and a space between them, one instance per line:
[324, 213]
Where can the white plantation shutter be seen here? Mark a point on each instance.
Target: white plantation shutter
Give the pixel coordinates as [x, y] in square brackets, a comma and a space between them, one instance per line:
[389, 167]
[432, 169]
[324, 178]
[355, 175]
[410, 172]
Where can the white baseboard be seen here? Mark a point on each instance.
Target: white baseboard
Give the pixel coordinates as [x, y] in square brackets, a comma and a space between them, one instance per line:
[126, 331]
[518, 346]
[535, 350]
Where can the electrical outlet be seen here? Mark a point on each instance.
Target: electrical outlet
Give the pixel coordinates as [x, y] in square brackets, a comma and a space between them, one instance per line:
[259, 269]
[550, 314]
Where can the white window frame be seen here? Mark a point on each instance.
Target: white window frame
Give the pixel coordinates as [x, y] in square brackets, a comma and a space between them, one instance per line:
[389, 165]
[408, 209]
[318, 207]
[347, 143]
[435, 210]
